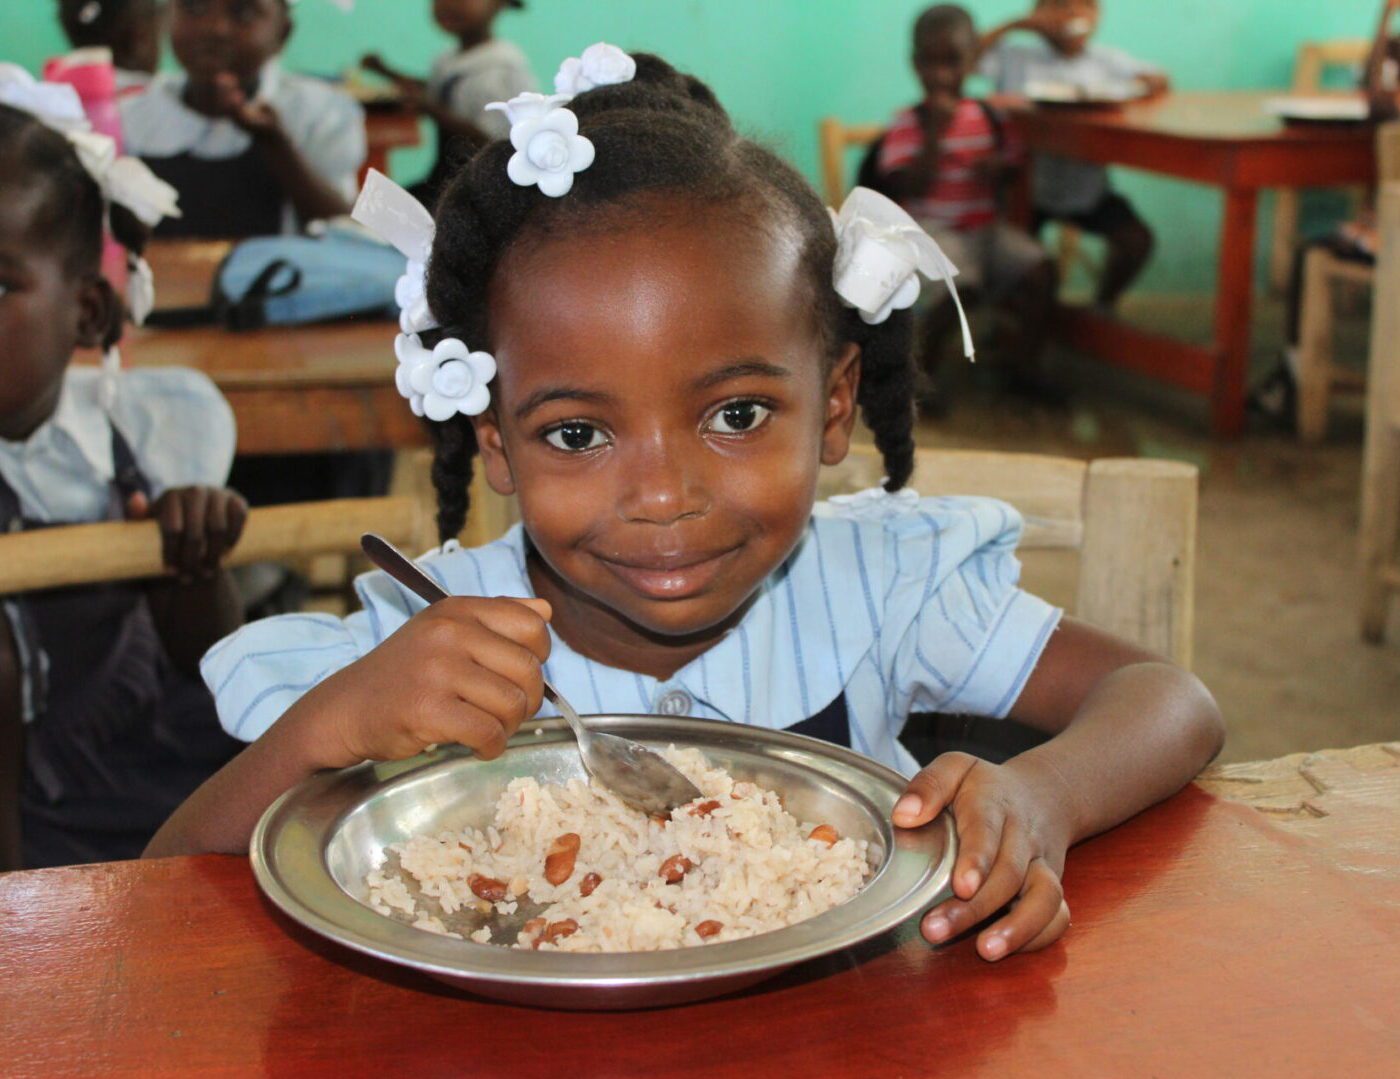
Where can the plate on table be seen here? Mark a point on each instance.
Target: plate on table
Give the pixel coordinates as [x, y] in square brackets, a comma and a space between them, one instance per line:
[1054, 94]
[1320, 109]
[315, 846]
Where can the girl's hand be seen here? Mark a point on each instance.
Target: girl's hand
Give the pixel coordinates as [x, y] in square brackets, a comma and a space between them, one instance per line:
[374, 63]
[198, 526]
[1013, 831]
[464, 670]
[254, 116]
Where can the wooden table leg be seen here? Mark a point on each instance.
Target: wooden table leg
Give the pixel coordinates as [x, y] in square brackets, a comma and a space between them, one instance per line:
[1234, 301]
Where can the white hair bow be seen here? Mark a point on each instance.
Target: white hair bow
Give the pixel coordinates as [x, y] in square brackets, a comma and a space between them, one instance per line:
[448, 378]
[880, 252]
[400, 220]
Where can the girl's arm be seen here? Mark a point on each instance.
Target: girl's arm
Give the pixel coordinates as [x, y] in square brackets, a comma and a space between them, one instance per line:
[199, 605]
[373, 62]
[1045, 23]
[464, 670]
[1129, 730]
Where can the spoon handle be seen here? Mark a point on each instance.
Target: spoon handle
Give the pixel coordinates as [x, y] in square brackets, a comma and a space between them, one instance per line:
[413, 577]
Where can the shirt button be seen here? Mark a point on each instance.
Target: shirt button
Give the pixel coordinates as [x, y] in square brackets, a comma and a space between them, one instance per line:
[675, 702]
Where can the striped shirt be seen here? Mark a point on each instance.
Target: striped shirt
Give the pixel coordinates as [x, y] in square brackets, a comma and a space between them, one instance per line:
[900, 604]
[959, 196]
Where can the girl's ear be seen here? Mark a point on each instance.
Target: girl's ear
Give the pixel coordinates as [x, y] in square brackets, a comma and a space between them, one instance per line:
[493, 453]
[99, 313]
[842, 393]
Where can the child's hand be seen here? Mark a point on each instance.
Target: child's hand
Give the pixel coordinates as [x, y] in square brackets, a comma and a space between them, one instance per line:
[198, 526]
[253, 115]
[465, 670]
[374, 63]
[1050, 23]
[1012, 835]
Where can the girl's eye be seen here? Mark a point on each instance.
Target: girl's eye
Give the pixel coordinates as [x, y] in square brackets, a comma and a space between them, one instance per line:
[739, 416]
[575, 437]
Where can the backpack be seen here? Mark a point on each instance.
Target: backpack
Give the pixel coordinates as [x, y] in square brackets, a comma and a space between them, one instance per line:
[292, 280]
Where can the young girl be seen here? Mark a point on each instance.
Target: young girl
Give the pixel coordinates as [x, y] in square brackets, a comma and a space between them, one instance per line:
[660, 299]
[104, 726]
[130, 28]
[252, 149]
[463, 81]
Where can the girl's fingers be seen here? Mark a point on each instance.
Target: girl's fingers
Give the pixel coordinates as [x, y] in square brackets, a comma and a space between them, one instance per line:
[511, 619]
[193, 540]
[237, 513]
[1052, 932]
[505, 700]
[1004, 882]
[980, 824]
[216, 540]
[470, 726]
[932, 789]
[172, 527]
[1039, 916]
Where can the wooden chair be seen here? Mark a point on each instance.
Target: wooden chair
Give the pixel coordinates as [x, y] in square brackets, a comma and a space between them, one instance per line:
[131, 550]
[1314, 59]
[1318, 376]
[1132, 522]
[836, 140]
[1380, 470]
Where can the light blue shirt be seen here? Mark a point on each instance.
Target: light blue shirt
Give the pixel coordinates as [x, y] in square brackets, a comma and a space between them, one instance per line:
[902, 604]
[1061, 186]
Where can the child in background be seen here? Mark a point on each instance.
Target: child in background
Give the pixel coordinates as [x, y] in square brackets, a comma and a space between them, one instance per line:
[104, 726]
[1064, 190]
[252, 149]
[1276, 397]
[945, 161]
[463, 81]
[130, 28]
[678, 341]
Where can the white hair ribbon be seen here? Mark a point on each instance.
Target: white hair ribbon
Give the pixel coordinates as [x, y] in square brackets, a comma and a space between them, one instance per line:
[123, 180]
[880, 251]
[448, 378]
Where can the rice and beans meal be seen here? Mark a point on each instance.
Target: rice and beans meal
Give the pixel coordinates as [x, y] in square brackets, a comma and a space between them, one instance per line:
[608, 878]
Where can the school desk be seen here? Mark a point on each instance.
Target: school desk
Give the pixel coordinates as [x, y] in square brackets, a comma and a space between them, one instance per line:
[300, 389]
[1223, 139]
[1209, 937]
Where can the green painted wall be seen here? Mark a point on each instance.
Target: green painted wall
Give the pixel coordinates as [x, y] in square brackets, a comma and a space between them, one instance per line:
[779, 65]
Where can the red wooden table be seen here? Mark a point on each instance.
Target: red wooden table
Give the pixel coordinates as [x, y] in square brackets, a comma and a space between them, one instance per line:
[1207, 940]
[1223, 139]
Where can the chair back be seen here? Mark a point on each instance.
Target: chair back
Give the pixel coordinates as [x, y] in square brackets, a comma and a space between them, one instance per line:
[1388, 153]
[131, 550]
[1315, 57]
[836, 140]
[1131, 521]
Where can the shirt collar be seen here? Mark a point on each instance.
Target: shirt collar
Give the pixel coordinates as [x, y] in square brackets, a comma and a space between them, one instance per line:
[74, 417]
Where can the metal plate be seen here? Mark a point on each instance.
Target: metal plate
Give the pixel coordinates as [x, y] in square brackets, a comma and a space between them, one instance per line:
[314, 846]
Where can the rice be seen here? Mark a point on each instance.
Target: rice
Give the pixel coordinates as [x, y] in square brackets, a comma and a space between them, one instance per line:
[731, 864]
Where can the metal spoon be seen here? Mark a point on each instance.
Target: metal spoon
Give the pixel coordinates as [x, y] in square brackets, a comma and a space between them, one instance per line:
[638, 776]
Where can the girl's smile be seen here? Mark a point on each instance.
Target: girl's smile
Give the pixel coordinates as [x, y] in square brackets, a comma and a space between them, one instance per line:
[663, 419]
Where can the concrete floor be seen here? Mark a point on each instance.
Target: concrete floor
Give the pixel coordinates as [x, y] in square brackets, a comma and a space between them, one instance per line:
[1277, 635]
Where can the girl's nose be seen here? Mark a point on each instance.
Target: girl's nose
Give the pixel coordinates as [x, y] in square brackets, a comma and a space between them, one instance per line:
[662, 483]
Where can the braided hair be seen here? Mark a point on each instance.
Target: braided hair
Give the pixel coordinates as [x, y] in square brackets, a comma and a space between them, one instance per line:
[660, 135]
[73, 215]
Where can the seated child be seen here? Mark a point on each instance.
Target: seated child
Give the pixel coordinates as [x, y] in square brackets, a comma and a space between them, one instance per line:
[130, 28]
[252, 149]
[944, 160]
[677, 341]
[104, 725]
[1276, 396]
[1064, 190]
[463, 81]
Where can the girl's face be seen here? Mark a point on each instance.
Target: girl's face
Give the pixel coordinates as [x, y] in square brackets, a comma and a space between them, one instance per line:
[211, 37]
[662, 411]
[461, 17]
[45, 311]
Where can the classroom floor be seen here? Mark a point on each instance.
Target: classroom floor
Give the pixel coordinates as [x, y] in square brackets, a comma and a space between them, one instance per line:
[1277, 588]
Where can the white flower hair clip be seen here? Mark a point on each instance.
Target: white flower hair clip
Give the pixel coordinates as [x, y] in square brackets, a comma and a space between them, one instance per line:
[880, 252]
[548, 148]
[600, 65]
[448, 378]
[445, 380]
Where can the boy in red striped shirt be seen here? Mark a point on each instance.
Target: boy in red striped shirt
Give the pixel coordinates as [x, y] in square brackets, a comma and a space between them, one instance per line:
[945, 160]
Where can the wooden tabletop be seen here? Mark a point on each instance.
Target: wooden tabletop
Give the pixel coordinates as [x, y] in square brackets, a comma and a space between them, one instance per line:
[1207, 940]
[1219, 137]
